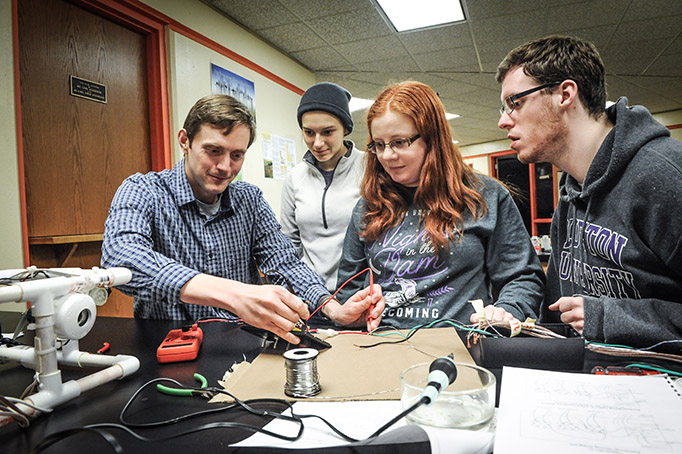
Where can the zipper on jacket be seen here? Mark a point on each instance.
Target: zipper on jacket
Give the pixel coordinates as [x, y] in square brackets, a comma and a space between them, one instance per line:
[324, 193]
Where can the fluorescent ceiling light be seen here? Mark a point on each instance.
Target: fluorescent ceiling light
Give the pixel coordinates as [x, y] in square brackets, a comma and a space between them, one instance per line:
[359, 104]
[410, 15]
[449, 116]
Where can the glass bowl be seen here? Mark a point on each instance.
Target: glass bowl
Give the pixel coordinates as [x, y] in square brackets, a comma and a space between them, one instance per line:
[468, 403]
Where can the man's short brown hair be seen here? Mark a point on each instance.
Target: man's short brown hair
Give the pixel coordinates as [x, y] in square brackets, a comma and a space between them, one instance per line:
[221, 112]
[557, 58]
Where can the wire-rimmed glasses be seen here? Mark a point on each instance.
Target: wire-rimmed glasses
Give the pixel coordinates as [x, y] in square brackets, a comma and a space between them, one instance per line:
[510, 103]
[398, 145]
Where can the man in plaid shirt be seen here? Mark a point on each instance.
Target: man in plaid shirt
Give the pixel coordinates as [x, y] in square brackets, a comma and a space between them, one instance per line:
[196, 242]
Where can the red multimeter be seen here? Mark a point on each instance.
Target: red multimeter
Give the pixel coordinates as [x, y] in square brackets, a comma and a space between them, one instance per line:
[180, 345]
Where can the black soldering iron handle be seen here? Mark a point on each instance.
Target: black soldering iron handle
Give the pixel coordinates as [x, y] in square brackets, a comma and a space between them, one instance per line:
[442, 373]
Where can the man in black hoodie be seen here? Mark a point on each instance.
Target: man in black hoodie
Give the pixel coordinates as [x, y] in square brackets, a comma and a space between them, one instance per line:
[615, 273]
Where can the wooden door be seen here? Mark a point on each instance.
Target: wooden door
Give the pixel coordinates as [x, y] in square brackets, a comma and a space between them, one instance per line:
[77, 150]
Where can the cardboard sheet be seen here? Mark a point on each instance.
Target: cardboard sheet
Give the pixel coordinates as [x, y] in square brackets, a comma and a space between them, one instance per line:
[348, 372]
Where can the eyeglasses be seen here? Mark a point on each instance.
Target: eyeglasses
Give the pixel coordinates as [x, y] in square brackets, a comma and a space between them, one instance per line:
[510, 101]
[398, 145]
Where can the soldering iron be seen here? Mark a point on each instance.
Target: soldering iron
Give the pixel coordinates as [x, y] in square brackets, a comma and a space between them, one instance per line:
[442, 373]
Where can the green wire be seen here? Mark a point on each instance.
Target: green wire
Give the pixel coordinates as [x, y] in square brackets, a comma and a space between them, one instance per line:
[450, 322]
[659, 369]
[388, 333]
[429, 325]
[609, 345]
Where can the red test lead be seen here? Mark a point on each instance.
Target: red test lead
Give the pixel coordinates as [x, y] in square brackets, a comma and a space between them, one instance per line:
[371, 296]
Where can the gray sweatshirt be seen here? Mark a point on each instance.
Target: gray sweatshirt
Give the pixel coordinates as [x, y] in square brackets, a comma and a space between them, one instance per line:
[617, 240]
[494, 257]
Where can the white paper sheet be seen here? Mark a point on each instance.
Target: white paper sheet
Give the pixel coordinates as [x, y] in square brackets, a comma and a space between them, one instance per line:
[359, 419]
[557, 412]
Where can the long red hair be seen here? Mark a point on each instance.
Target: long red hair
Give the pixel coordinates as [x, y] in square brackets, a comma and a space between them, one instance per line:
[447, 186]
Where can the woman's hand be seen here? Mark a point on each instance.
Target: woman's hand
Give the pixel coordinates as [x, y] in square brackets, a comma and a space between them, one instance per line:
[365, 307]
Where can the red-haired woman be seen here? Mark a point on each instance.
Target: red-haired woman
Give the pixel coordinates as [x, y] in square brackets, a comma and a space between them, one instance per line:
[435, 234]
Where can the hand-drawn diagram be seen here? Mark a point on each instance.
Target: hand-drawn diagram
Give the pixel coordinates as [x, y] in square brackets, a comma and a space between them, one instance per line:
[578, 414]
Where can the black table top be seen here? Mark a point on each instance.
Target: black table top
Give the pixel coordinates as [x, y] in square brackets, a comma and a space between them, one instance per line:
[224, 343]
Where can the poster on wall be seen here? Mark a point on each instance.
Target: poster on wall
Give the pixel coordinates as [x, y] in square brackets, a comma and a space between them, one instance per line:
[279, 156]
[228, 83]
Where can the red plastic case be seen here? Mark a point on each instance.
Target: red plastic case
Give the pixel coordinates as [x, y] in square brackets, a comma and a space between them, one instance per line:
[180, 345]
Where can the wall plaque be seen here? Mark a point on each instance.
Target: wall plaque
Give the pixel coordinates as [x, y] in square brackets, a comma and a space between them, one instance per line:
[87, 89]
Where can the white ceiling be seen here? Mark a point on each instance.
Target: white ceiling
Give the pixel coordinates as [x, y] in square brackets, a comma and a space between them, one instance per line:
[349, 42]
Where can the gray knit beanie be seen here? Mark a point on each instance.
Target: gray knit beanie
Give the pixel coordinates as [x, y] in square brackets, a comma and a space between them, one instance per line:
[330, 98]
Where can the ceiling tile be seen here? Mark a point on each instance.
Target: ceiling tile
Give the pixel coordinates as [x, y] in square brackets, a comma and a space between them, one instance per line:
[501, 29]
[452, 36]
[574, 16]
[357, 25]
[309, 9]
[634, 58]
[647, 9]
[667, 64]
[670, 87]
[370, 50]
[294, 37]
[484, 9]
[448, 59]
[667, 27]
[255, 14]
[322, 58]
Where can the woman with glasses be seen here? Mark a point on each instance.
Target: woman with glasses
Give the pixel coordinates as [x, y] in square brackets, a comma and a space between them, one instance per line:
[320, 192]
[435, 234]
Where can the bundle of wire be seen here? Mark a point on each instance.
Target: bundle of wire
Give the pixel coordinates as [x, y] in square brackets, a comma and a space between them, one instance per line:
[515, 327]
[529, 327]
[646, 352]
[9, 411]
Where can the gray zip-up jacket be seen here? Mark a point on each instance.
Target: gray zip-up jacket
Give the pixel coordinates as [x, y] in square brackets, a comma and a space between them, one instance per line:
[315, 215]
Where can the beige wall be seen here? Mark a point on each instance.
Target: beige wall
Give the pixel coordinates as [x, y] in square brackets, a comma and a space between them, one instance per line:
[672, 118]
[11, 255]
[190, 65]
[190, 78]
[479, 163]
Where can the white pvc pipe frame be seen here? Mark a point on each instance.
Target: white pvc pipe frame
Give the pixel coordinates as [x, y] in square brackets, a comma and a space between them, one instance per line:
[44, 357]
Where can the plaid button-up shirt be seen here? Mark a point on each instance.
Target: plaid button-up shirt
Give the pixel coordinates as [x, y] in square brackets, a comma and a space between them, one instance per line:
[155, 229]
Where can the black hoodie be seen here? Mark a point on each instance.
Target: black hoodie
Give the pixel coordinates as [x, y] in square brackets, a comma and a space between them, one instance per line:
[617, 240]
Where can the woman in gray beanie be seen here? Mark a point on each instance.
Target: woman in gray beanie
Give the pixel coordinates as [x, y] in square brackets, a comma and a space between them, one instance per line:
[320, 192]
